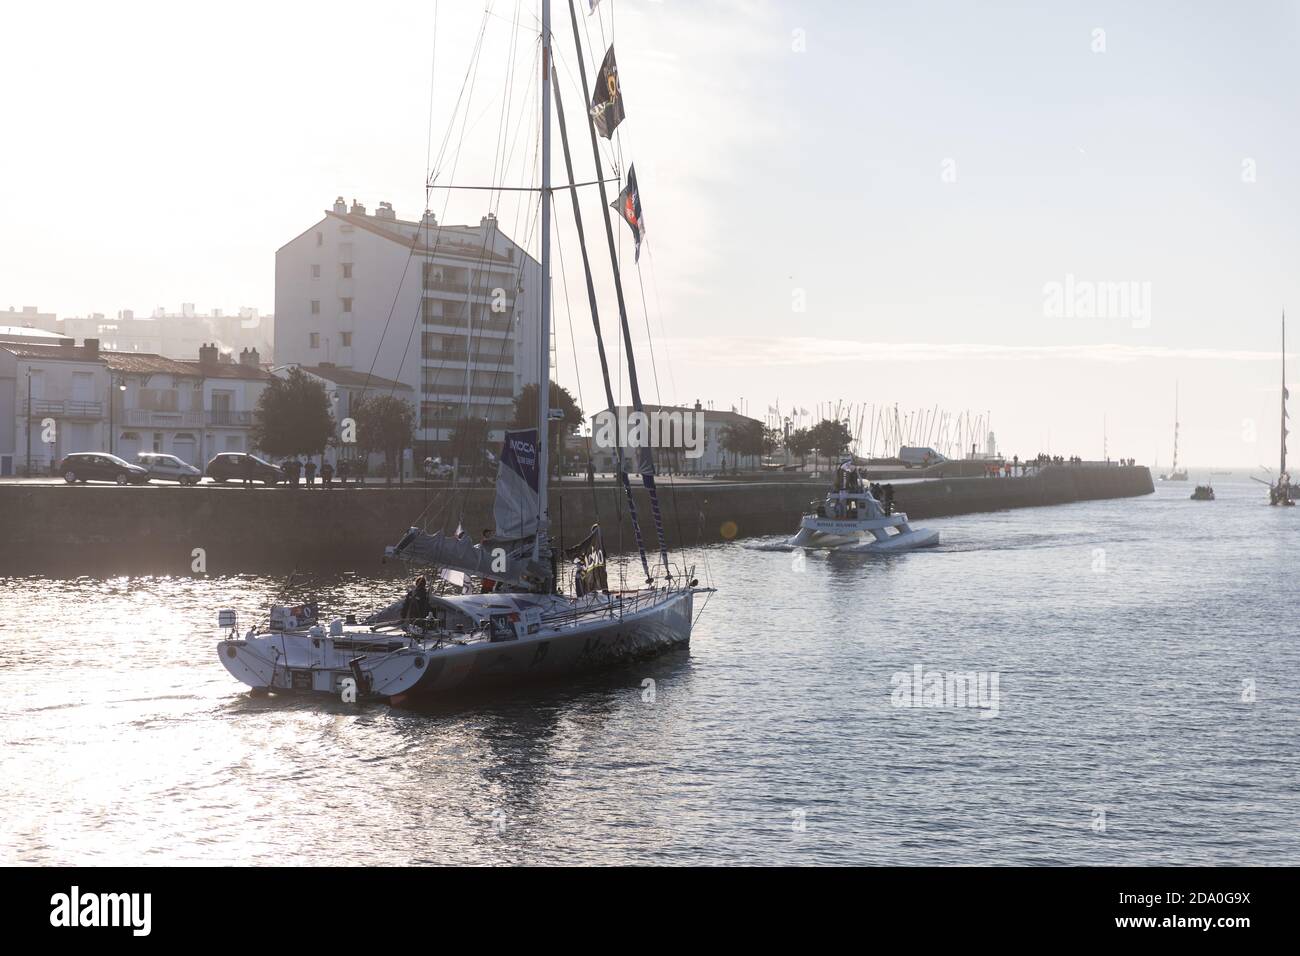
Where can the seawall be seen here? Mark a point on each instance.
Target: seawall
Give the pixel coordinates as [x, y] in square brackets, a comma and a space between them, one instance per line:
[103, 530]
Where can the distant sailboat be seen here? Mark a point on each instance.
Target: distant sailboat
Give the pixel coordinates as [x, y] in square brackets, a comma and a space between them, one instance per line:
[1175, 473]
[1281, 492]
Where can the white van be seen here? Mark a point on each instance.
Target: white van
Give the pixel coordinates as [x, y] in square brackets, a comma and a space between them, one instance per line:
[167, 468]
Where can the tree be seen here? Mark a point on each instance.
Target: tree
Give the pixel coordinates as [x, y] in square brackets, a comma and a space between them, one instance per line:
[771, 440]
[467, 443]
[561, 398]
[743, 438]
[292, 416]
[801, 443]
[385, 423]
[830, 438]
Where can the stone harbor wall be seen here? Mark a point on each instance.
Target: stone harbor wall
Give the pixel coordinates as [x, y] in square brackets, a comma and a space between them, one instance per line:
[156, 529]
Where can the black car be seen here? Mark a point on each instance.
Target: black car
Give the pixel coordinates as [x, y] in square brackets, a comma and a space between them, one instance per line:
[236, 466]
[86, 466]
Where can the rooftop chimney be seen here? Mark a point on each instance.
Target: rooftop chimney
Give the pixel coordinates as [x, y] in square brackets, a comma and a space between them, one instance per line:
[249, 357]
[91, 346]
[208, 354]
[385, 211]
[357, 209]
[340, 206]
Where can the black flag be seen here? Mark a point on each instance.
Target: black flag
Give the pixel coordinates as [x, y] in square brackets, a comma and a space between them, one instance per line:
[607, 99]
[628, 205]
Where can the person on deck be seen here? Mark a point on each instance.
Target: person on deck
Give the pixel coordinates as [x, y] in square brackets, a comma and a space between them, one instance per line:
[416, 606]
[485, 544]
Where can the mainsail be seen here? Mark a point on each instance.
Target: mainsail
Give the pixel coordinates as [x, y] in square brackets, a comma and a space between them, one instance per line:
[517, 505]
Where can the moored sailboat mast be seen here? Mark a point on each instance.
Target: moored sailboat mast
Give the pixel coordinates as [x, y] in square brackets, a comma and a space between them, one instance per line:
[544, 329]
[1282, 463]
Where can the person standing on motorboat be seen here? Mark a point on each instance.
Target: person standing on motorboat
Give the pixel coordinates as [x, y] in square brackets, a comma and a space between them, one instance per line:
[889, 499]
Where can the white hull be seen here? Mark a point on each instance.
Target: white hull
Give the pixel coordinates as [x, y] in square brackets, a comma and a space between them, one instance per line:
[854, 521]
[902, 541]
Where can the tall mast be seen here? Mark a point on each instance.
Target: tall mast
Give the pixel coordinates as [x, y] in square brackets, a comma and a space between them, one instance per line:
[1282, 465]
[1174, 469]
[544, 328]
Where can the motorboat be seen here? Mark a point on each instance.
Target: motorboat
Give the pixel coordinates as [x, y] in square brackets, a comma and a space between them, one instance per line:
[1203, 493]
[852, 519]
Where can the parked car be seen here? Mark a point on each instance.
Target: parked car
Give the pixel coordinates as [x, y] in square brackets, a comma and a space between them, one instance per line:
[168, 467]
[236, 466]
[437, 469]
[86, 466]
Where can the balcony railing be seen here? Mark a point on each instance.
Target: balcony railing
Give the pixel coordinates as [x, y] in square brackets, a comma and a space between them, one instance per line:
[68, 409]
[480, 390]
[481, 359]
[228, 417]
[148, 418]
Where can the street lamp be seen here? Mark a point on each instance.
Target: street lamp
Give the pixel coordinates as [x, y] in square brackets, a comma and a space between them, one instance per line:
[120, 383]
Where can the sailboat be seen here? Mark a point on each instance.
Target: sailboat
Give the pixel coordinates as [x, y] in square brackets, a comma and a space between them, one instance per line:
[533, 623]
[1282, 492]
[1175, 473]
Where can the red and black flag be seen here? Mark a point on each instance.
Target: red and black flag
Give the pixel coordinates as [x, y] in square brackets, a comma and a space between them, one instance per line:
[628, 205]
[607, 99]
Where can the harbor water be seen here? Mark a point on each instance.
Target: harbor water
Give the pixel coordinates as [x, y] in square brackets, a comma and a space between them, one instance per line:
[1137, 702]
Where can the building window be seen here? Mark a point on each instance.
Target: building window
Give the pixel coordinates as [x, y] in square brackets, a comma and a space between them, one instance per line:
[347, 339]
[347, 270]
[315, 340]
[347, 305]
[315, 271]
[320, 238]
[315, 306]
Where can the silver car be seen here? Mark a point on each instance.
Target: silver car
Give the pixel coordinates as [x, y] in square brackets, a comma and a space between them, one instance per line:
[168, 468]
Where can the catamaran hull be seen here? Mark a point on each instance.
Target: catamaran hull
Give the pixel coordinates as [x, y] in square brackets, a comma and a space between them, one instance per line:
[552, 655]
[902, 541]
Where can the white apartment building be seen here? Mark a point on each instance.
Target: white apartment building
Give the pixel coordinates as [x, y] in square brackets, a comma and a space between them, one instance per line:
[354, 289]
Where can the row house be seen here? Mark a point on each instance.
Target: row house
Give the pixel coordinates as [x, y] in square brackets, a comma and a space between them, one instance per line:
[59, 398]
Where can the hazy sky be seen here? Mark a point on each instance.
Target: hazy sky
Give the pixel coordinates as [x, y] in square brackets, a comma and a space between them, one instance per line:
[914, 175]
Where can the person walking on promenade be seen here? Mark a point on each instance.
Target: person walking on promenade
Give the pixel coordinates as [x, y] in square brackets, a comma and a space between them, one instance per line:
[326, 474]
[311, 472]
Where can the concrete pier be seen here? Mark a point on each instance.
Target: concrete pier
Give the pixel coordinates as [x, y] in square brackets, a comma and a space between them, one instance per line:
[156, 529]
